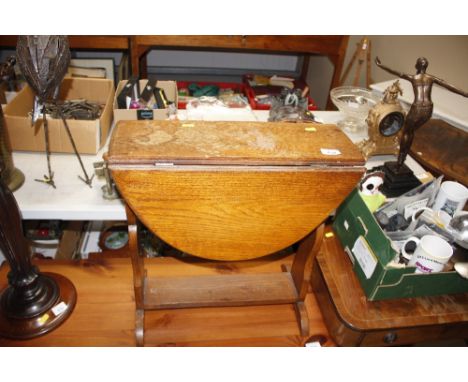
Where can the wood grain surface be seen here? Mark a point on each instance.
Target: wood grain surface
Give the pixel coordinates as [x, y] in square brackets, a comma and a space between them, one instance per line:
[267, 325]
[442, 149]
[230, 143]
[353, 320]
[220, 290]
[83, 42]
[233, 214]
[105, 311]
[310, 44]
[233, 190]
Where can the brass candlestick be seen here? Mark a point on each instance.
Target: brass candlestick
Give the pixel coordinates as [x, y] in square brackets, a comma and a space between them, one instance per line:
[11, 176]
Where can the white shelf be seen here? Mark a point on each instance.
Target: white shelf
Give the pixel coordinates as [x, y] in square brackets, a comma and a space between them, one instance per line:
[74, 200]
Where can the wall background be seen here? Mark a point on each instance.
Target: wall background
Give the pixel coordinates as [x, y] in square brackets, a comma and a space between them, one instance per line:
[447, 55]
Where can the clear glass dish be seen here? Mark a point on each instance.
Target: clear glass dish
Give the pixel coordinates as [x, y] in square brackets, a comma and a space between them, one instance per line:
[355, 103]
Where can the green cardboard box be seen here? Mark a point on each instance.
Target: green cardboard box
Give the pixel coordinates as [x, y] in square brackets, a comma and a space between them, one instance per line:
[370, 250]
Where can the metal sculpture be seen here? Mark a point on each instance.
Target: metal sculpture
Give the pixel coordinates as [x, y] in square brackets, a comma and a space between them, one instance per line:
[44, 61]
[422, 107]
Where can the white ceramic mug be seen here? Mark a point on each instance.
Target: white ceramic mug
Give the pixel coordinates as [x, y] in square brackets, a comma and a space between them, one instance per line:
[451, 197]
[409, 247]
[427, 215]
[431, 254]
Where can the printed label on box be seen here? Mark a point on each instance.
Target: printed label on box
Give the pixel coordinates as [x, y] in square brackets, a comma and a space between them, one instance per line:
[364, 256]
[144, 114]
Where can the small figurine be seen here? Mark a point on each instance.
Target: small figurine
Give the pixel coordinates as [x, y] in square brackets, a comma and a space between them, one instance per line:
[392, 92]
[422, 107]
[369, 190]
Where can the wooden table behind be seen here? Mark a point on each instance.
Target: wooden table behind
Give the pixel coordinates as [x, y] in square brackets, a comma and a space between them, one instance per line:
[352, 320]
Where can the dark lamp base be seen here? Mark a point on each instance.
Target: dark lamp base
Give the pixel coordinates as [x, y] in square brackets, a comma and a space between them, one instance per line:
[26, 328]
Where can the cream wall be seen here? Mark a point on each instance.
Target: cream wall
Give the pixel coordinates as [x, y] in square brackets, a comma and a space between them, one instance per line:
[447, 55]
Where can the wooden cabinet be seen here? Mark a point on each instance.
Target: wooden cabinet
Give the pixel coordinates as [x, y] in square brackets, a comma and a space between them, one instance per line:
[334, 47]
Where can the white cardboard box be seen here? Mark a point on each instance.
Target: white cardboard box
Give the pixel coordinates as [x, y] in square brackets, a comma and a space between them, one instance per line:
[170, 89]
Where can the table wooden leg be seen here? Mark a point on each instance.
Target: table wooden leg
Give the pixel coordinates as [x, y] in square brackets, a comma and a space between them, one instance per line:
[140, 327]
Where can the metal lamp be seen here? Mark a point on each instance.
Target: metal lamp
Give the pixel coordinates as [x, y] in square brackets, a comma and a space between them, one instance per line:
[11, 176]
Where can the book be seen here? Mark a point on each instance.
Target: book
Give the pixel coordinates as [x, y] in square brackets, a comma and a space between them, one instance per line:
[78, 71]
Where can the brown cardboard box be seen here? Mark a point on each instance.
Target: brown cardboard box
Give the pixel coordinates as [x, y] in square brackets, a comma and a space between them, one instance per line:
[68, 247]
[169, 87]
[89, 136]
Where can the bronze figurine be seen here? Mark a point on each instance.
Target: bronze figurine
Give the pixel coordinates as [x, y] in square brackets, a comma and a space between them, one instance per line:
[422, 107]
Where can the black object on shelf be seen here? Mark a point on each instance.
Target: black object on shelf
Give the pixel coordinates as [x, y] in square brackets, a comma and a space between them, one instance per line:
[397, 181]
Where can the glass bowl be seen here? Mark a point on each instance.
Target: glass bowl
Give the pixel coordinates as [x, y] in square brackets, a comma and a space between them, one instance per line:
[355, 103]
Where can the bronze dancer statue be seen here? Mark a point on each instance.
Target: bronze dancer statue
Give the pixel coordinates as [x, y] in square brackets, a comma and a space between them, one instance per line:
[421, 109]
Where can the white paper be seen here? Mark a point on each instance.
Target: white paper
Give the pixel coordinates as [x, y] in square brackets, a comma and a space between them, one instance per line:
[59, 308]
[411, 208]
[330, 152]
[364, 256]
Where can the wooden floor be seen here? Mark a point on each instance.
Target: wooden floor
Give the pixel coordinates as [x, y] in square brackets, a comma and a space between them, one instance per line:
[105, 310]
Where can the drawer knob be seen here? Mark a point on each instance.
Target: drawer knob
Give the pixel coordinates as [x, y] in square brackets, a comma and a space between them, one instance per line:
[390, 338]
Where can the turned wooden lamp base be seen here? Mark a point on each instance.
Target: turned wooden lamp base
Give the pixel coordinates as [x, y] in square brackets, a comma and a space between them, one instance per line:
[46, 320]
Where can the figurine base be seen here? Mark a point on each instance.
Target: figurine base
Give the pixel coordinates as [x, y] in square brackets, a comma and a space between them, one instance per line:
[15, 180]
[23, 329]
[397, 181]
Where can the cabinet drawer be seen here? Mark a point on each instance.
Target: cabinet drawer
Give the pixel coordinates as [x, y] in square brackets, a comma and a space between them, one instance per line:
[414, 335]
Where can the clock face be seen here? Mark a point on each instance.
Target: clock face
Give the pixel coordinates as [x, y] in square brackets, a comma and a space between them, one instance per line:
[391, 124]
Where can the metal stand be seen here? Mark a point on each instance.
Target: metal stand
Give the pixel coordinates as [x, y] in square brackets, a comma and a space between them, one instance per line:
[12, 176]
